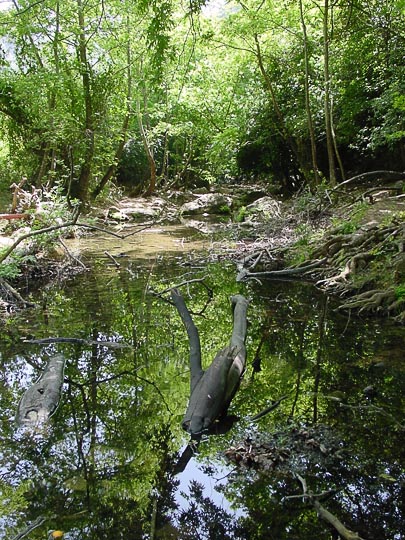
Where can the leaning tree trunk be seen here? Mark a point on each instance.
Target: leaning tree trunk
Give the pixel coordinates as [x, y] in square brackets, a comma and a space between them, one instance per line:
[41, 399]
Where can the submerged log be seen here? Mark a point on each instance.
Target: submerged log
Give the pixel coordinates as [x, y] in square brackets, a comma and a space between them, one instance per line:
[211, 391]
[41, 400]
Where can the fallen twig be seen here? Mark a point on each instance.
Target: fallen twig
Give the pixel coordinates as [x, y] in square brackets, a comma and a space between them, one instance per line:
[79, 262]
[113, 259]
[15, 294]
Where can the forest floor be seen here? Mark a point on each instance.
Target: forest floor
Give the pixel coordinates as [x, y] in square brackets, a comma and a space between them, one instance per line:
[351, 247]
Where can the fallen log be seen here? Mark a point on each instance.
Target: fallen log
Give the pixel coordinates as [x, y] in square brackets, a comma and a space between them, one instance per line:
[212, 391]
[41, 399]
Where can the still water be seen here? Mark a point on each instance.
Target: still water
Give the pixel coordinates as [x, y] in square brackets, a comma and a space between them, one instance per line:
[113, 461]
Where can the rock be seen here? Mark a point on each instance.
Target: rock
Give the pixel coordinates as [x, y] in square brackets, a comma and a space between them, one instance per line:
[209, 203]
[5, 242]
[265, 209]
[139, 209]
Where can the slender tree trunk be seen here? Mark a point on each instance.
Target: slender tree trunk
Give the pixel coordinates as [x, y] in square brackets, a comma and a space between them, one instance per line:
[120, 148]
[284, 132]
[335, 146]
[307, 100]
[149, 151]
[164, 174]
[318, 367]
[327, 97]
[81, 188]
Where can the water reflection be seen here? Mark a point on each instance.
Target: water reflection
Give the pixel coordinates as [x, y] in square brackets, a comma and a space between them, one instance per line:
[104, 465]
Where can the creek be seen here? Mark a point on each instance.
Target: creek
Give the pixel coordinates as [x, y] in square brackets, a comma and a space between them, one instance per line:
[104, 467]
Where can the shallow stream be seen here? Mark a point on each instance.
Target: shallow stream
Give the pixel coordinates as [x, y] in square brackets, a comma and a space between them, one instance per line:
[113, 461]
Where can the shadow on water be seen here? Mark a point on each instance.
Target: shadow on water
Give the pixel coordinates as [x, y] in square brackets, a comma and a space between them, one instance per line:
[103, 467]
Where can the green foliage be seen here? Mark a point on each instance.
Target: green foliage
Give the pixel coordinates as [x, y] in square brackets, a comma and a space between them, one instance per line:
[221, 96]
[13, 498]
[400, 291]
[10, 270]
[241, 214]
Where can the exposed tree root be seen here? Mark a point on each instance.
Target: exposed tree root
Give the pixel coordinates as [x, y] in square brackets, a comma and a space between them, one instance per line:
[346, 265]
[370, 300]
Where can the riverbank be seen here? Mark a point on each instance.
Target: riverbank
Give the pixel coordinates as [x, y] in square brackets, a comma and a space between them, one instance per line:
[351, 246]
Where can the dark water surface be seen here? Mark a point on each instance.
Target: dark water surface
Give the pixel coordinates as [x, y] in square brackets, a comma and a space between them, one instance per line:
[104, 466]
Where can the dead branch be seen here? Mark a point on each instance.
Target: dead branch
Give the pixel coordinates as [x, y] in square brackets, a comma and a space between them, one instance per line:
[183, 283]
[41, 399]
[113, 259]
[212, 390]
[193, 337]
[45, 230]
[15, 294]
[265, 411]
[78, 261]
[343, 531]
[388, 175]
[369, 193]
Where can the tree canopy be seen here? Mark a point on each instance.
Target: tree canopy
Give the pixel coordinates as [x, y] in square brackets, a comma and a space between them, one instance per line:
[170, 93]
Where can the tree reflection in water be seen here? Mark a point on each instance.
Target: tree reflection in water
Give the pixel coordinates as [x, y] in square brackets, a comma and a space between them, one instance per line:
[103, 468]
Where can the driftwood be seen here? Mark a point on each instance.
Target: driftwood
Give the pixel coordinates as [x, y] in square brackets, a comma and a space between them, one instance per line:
[41, 399]
[211, 391]
[285, 273]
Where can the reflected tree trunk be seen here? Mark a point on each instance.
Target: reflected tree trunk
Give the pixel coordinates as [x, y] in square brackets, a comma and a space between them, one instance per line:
[317, 379]
[211, 391]
[41, 399]
[300, 360]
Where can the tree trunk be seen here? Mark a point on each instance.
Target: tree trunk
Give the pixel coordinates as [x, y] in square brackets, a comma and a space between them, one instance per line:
[291, 143]
[327, 97]
[80, 189]
[149, 152]
[307, 100]
[120, 147]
